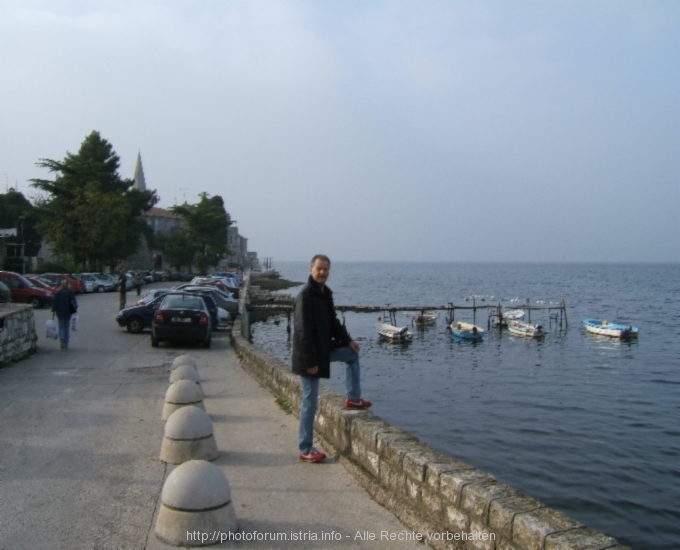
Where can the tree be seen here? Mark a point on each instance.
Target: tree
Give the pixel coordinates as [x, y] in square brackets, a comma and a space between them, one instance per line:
[90, 212]
[178, 249]
[13, 204]
[206, 223]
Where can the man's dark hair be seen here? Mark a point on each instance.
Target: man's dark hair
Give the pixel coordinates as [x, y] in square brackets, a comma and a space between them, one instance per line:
[322, 257]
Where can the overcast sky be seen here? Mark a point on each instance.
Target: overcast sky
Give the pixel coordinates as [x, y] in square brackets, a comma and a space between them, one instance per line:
[404, 130]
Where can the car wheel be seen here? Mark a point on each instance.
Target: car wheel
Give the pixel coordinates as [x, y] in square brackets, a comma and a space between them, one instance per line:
[154, 342]
[135, 325]
[35, 302]
[100, 289]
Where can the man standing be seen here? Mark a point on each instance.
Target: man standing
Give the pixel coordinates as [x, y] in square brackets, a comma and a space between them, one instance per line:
[319, 339]
[122, 281]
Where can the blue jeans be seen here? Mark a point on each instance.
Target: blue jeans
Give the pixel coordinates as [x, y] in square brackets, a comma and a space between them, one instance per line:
[64, 329]
[310, 395]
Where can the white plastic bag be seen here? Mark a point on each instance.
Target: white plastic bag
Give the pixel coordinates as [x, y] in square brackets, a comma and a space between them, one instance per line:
[51, 329]
[74, 322]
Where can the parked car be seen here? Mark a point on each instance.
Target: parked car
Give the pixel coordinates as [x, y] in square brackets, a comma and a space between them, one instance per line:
[76, 285]
[235, 278]
[23, 291]
[153, 294]
[137, 318]
[147, 277]
[42, 283]
[223, 299]
[181, 317]
[5, 295]
[98, 281]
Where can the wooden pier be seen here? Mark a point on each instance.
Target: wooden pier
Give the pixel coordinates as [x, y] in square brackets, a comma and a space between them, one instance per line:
[556, 312]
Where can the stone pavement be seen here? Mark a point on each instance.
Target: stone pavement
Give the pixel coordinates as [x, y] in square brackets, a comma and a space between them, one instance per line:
[81, 431]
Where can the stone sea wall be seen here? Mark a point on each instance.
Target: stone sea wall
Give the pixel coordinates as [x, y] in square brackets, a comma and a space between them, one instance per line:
[447, 503]
[17, 335]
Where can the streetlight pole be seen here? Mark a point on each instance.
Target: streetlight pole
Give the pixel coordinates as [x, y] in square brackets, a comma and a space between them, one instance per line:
[23, 258]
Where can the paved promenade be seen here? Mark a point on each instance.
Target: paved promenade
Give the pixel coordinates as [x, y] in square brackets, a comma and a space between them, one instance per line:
[81, 431]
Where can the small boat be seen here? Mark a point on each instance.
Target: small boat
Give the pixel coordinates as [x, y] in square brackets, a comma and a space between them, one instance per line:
[392, 333]
[512, 315]
[613, 330]
[466, 331]
[425, 318]
[527, 330]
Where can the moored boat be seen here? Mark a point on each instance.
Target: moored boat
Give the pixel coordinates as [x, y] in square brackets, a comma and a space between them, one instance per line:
[466, 331]
[425, 318]
[527, 330]
[613, 330]
[392, 333]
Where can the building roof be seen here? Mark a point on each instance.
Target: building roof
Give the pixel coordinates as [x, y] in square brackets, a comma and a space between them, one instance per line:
[155, 212]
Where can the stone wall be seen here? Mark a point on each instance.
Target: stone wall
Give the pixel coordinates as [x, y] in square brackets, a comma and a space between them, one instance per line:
[446, 503]
[17, 337]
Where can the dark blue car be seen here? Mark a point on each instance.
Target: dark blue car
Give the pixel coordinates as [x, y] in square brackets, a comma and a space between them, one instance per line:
[137, 318]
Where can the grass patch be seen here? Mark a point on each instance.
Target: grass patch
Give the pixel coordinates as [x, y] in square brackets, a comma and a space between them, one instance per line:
[284, 405]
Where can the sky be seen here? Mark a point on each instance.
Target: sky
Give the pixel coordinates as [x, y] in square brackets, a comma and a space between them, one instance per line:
[495, 131]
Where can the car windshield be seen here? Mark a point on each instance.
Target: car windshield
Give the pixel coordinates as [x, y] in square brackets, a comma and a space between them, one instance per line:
[182, 302]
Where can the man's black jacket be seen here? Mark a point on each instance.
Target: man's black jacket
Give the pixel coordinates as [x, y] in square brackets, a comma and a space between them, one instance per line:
[317, 330]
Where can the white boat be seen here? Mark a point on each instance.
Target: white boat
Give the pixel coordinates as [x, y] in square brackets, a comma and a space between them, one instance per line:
[392, 333]
[613, 330]
[527, 330]
[512, 315]
[425, 318]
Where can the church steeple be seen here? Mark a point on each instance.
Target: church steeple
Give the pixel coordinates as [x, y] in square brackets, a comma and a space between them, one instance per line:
[140, 182]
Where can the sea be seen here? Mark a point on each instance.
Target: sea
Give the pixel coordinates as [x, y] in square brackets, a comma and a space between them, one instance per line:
[587, 424]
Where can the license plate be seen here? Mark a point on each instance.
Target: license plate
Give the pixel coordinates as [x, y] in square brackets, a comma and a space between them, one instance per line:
[181, 319]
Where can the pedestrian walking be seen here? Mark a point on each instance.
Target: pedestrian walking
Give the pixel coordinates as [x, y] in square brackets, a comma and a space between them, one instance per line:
[138, 282]
[318, 340]
[63, 306]
[122, 281]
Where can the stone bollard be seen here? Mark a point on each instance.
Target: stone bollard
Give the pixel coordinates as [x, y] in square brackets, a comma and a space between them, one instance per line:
[196, 506]
[185, 372]
[188, 436]
[184, 360]
[182, 394]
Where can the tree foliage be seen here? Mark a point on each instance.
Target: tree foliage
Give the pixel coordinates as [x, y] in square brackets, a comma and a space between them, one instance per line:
[206, 225]
[91, 213]
[178, 249]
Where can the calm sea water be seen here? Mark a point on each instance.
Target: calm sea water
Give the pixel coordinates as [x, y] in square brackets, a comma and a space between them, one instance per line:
[586, 424]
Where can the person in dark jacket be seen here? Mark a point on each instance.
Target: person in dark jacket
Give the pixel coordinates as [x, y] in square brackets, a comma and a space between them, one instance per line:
[64, 305]
[122, 289]
[318, 340]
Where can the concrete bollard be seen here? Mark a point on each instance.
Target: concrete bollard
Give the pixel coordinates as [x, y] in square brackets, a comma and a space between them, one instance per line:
[184, 360]
[195, 505]
[182, 394]
[188, 436]
[185, 372]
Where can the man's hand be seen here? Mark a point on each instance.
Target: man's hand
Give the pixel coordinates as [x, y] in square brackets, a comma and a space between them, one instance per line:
[354, 347]
[313, 370]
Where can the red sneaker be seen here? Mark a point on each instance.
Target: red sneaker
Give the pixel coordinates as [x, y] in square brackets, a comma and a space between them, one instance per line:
[312, 456]
[357, 404]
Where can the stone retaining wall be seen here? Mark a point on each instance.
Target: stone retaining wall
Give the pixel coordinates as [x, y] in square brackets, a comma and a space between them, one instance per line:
[18, 337]
[447, 502]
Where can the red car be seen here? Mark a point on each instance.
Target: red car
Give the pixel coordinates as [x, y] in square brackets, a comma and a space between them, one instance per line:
[42, 283]
[56, 279]
[23, 291]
